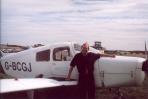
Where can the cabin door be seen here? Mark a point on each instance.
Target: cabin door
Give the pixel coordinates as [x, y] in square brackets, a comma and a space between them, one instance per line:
[61, 61]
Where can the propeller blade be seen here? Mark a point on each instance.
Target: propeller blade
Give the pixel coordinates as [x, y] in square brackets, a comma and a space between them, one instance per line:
[146, 53]
[145, 63]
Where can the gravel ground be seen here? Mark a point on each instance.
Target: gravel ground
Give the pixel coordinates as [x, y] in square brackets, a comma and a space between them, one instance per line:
[102, 93]
[125, 92]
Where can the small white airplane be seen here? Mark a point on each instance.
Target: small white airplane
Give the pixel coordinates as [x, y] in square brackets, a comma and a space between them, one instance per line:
[51, 64]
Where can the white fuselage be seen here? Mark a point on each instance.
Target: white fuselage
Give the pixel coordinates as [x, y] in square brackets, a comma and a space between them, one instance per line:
[54, 60]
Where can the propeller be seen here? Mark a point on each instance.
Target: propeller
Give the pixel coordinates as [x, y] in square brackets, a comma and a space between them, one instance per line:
[146, 53]
[145, 63]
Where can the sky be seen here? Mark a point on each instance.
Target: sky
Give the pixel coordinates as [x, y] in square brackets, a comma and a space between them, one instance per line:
[118, 24]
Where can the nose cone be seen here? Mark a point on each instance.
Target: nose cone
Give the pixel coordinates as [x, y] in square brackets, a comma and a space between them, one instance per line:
[140, 72]
[145, 66]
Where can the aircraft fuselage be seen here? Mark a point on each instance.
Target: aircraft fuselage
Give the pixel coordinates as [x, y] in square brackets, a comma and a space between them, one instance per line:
[54, 60]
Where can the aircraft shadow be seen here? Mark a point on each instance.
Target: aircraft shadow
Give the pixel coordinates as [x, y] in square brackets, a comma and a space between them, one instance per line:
[63, 92]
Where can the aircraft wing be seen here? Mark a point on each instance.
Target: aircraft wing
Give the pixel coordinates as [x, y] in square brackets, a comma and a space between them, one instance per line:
[12, 85]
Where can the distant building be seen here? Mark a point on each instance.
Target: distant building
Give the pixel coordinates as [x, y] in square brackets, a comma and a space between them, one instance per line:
[37, 45]
[97, 45]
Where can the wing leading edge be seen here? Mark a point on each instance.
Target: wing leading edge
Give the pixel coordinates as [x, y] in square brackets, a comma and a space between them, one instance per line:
[12, 85]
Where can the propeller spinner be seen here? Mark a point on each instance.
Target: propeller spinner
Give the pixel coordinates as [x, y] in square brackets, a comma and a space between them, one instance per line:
[145, 63]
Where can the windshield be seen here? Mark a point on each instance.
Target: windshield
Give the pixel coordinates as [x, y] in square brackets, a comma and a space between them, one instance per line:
[77, 47]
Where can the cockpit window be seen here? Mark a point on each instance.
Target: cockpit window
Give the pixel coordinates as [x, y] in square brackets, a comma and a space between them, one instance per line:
[61, 54]
[77, 47]
[43, 55]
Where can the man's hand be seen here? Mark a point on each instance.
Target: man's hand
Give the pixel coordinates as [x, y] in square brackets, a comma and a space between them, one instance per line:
[69, 73]
[68, 78]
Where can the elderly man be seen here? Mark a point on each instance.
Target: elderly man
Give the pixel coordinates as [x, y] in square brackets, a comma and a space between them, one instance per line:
[85, 65]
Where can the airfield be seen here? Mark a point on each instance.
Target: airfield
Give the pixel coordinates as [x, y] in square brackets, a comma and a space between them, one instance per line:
[71, 92]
